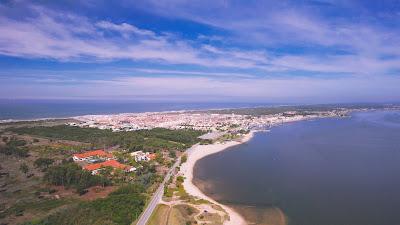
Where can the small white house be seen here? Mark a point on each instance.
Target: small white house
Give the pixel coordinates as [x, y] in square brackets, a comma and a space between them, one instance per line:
[143, 156]
[140, 156]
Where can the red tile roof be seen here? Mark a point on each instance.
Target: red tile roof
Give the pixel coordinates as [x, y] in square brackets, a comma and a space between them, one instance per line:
[99, 153]
[112, 163]
[152, 156]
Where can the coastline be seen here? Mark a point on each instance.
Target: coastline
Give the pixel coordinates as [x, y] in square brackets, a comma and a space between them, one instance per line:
[76, 117]
[198, 152]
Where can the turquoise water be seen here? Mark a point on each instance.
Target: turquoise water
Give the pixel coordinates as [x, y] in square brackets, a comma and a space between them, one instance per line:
[323, 172]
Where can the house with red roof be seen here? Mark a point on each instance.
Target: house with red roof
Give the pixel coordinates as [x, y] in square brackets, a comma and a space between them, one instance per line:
[96, 167]
[95, 154]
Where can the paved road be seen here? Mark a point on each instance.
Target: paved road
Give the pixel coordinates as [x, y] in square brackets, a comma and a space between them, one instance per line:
[143, 219]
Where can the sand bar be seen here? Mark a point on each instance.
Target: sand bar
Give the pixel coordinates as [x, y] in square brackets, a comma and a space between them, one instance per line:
[199, 151]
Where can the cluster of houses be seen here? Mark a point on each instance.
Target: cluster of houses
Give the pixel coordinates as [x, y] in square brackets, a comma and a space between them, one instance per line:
[98, 159]
[143, 156]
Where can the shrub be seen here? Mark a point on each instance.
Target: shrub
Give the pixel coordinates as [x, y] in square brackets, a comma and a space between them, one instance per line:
[43, 163]
[70, 174]
[184, 158]
[121, 207]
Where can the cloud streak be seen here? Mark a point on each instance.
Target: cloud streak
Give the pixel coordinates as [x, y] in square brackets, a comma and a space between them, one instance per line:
[333, 44]
[258, 50]
[69, 37]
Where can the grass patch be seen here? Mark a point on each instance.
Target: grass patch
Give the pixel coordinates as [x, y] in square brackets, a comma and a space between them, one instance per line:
[182, 214]
[212, 218]
[36, 206]
[160, 215]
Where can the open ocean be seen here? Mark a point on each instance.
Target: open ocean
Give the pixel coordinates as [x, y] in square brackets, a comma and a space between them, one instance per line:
[35, 109]
[332, 171]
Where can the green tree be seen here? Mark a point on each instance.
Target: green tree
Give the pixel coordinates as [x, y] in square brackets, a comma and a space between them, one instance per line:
[70, 174]
[184, 158]
[172, 154]
[159, 157]
[43, 163]
[106, 171]
[180, 179]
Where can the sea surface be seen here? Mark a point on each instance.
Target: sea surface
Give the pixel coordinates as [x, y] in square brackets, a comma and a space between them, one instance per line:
[35, 109]
[333, 171]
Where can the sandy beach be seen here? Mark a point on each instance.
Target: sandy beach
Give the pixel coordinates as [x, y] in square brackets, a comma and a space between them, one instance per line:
[199, 151]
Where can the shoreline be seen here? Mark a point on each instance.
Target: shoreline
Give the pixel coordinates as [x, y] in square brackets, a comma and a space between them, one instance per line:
[200, 151]
[76, 117]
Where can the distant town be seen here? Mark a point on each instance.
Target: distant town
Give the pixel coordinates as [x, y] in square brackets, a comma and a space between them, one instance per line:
[205, 121]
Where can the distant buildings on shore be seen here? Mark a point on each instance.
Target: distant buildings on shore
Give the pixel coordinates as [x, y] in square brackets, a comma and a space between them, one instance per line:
[199, 121]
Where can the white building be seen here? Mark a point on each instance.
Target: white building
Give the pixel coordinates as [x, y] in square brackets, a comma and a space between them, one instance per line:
[143, 156]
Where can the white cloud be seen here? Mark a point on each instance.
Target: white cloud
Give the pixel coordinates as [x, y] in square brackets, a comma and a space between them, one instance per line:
[279, 25]
[69, 37]
[124, 28]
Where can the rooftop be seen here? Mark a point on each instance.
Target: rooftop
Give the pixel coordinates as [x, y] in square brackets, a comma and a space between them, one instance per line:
[99, 152]
[112, 163]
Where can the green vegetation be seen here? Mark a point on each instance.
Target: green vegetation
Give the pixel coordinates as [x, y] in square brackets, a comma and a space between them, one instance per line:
[16, 142]
[182, 214]
[177, 214]
[43, 163]
[49, 163]
[49, 151]
[184, 158]
[180, 190]
[168, 192]
[160, 215]
[15, 147]
[148, 140]
[180, 179]
[228, 137]
[71, 175]
[172, 154]
[206, 142]
[35, 206]
[121, 207]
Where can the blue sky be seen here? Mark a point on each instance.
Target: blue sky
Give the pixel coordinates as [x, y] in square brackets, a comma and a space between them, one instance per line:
[238, 51]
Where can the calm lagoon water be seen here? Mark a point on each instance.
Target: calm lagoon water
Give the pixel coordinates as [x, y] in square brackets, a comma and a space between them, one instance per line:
[323, 172]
